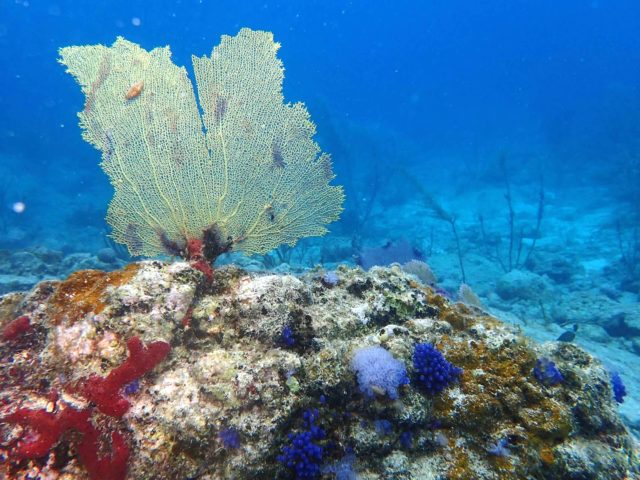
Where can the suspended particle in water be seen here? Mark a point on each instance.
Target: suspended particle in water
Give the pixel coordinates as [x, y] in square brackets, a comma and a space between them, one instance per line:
[136, 22]
[18, 207]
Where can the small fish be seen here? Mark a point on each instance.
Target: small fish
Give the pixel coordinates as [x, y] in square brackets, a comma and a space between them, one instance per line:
[569, 335]
[135, 90]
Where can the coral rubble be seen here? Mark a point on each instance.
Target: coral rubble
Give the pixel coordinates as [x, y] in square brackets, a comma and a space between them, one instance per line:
[93, 390]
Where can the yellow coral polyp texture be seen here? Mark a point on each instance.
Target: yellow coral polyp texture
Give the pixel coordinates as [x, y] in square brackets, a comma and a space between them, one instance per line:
[247, 166]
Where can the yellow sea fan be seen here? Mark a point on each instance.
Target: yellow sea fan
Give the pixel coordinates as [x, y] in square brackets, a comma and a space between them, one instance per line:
[246, 175]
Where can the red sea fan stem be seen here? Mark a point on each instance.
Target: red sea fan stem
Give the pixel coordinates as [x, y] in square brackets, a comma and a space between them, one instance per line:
[195, 254]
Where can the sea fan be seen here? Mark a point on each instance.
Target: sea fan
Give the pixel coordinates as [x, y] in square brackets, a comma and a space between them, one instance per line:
[245, 175]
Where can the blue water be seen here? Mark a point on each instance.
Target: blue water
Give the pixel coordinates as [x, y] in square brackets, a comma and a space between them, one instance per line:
[422, 104]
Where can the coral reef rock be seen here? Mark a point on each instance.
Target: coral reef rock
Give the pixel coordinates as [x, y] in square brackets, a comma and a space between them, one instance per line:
[256, 360]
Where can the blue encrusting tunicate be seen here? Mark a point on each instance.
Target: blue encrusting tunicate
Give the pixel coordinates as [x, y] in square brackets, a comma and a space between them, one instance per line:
[499, 448]
[547, 373]
[287, 337]
[432, 372]
[406, 439]
[330, 279]
[379, 372]
[229, 438]
[383, 427]
[342, 469]
[617, 385]
[132, 388]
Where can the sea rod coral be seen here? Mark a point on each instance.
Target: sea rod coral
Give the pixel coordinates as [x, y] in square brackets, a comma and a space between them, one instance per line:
[245, 175]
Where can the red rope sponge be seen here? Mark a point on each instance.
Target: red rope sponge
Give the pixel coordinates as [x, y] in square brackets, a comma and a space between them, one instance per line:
[108, 467]
[106, 393]
[16, 328]
[42, 430]
[45, 429]
[195, 253]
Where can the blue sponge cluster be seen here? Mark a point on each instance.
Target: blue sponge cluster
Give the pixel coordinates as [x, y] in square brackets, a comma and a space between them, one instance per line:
[546, 372]
[378, 371]
[433, 372]
[303, 457]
